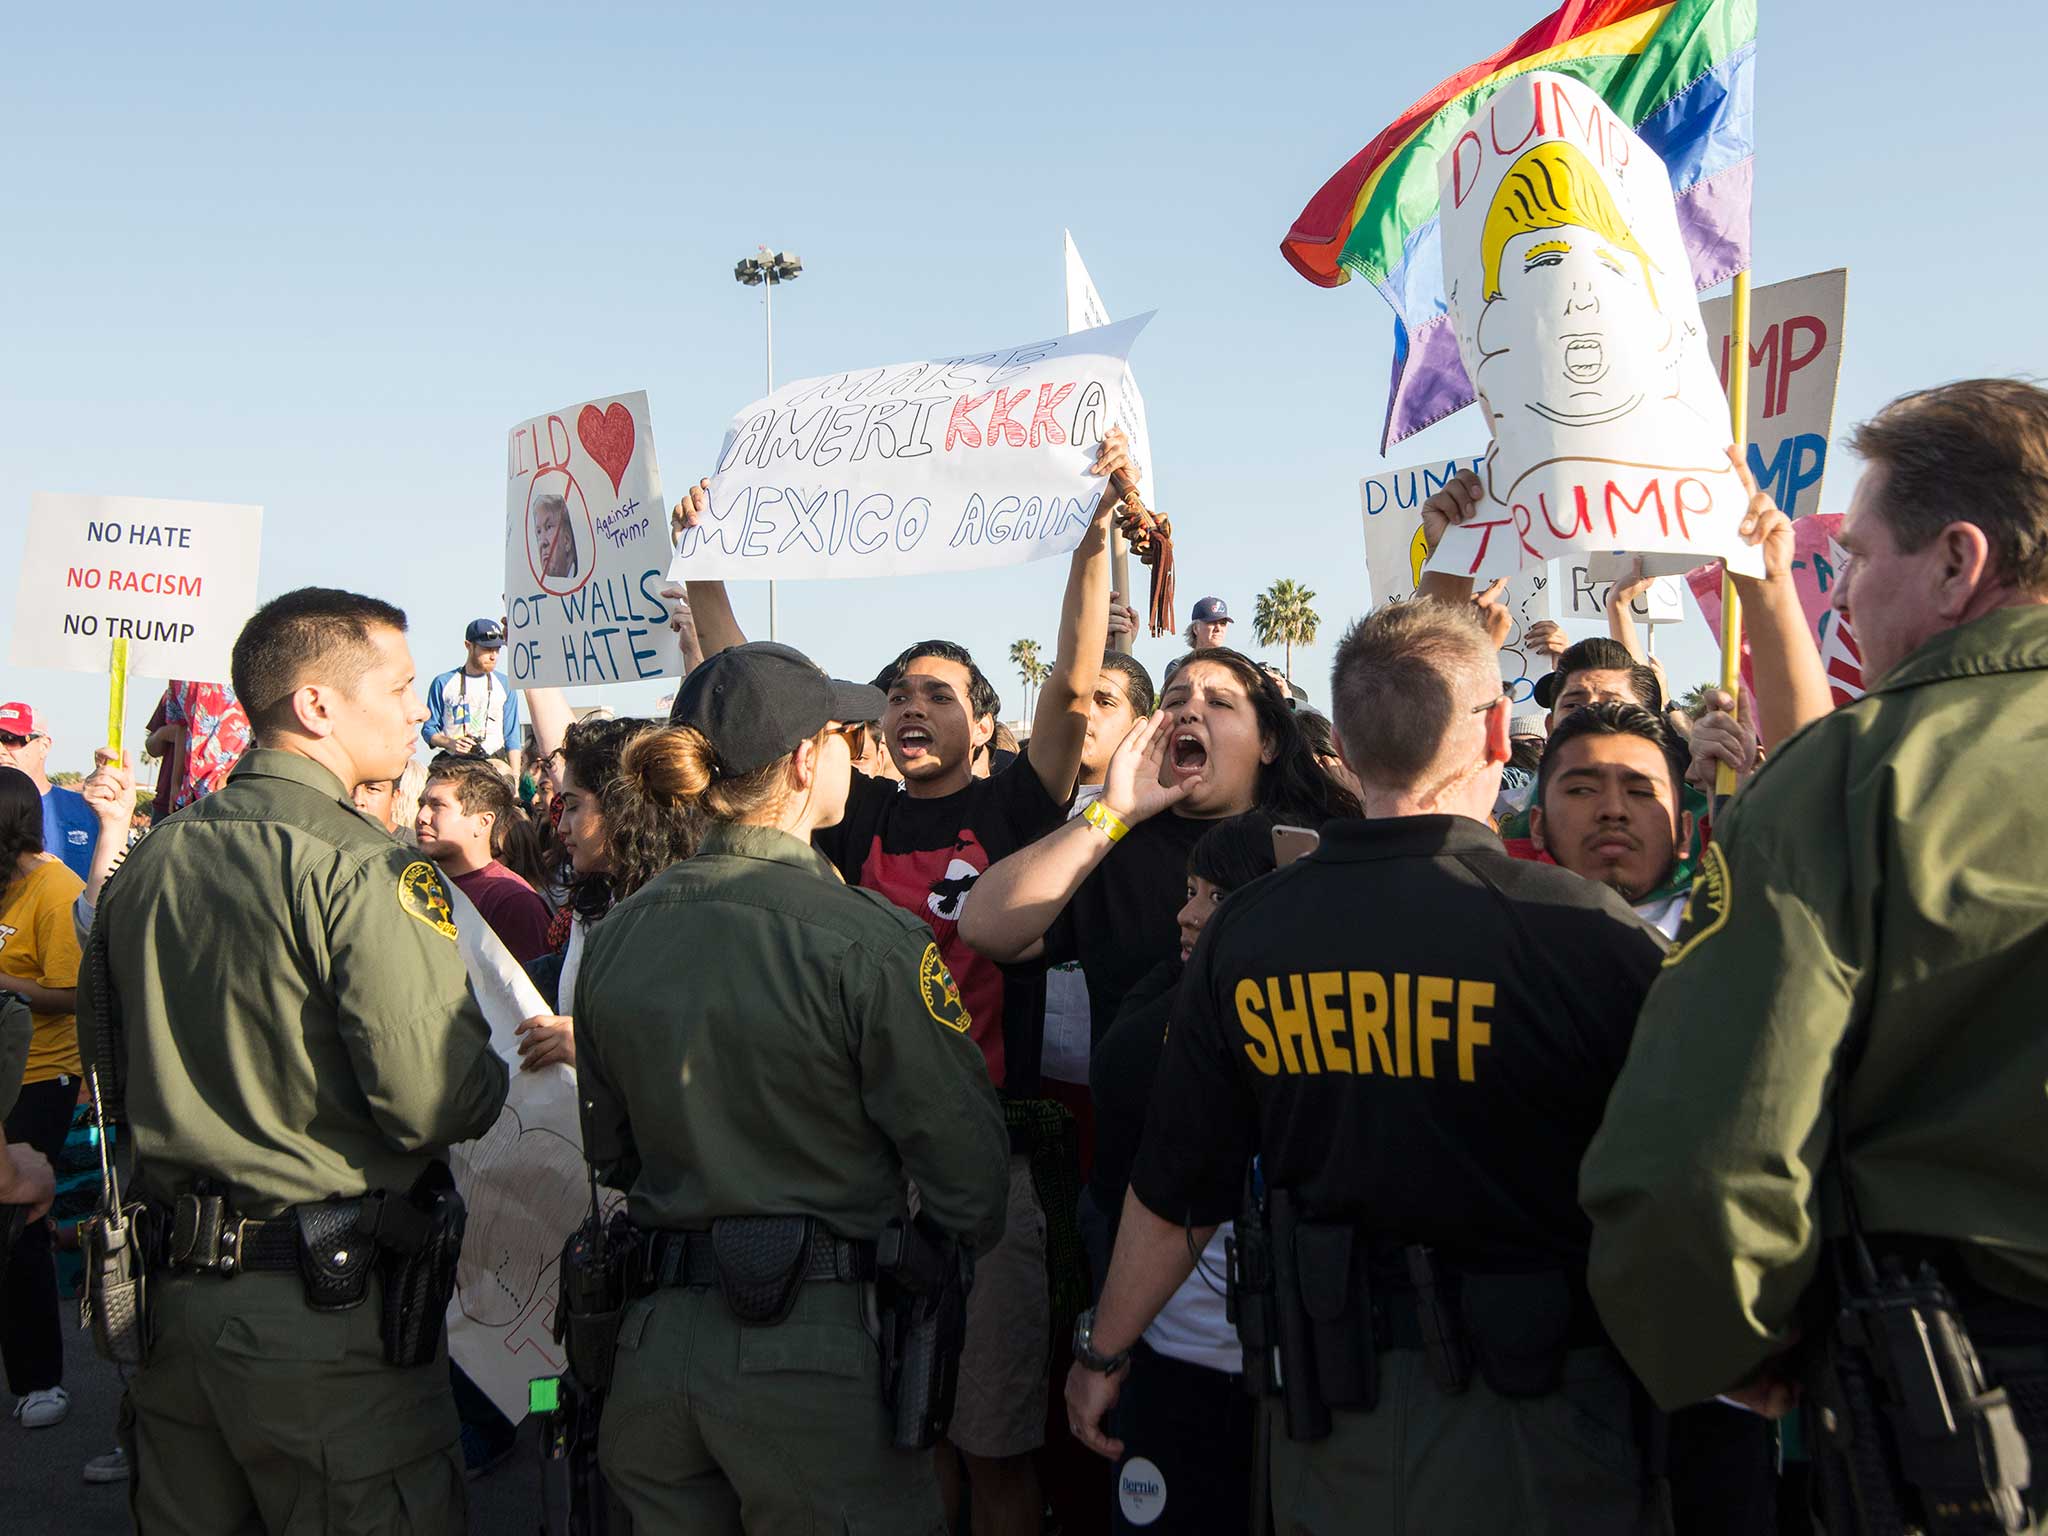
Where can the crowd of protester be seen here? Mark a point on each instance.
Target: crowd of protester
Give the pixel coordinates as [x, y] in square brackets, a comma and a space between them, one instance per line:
[1066, 875]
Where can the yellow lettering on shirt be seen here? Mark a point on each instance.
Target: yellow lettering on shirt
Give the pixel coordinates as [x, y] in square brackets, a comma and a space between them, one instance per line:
[1432, 1024]
[1473, 1031]
[1369, 1019]
[1259, 1045]
[1290, 1023]
[1307, 1023]
[1404, 1051]
[1326, 989]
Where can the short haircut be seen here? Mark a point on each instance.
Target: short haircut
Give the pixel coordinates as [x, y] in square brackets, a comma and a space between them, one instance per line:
[477, 785]
[1975, 451]
[1602, 654]
[1137, 681]
[1613, 720]
[1395, 686]
[21, 817]
[316, 634]
[982, 698]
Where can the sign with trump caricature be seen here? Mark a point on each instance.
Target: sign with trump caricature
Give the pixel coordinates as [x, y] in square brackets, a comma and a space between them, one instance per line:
[1578, 323]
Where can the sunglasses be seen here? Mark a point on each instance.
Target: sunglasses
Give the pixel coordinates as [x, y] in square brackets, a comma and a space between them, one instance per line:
[1504, 694]
[9, 739]
[858, 736]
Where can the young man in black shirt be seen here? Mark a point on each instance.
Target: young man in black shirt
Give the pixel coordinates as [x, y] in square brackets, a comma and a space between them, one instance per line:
[925, 844]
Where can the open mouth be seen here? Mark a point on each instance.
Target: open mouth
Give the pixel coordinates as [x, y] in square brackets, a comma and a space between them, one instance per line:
[1190, 754]
[1585, 359]
[913, 742]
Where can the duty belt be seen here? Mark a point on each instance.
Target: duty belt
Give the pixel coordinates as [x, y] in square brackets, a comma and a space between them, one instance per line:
[202, 1233]
[686, 1260]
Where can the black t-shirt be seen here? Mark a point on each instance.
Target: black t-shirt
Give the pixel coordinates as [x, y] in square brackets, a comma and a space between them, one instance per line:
[925, 856]
[1125, 918]
[1414, 1031]
[1120, 1074]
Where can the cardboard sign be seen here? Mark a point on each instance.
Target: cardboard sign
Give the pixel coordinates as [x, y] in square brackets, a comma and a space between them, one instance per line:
[176, 579]
[586, 546]
[1817, 558]
[1087, 312]
[958, 463]
[1572, 298]
[1795, 358]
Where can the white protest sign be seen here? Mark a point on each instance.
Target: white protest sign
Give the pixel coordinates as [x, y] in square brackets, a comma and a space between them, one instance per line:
[1795, 358]
[1394, 555]
[586, 545]
[1577, 321]
[958, 463]
[1583, 589]
[525, 1185]
[1087, 312]
[176, 579]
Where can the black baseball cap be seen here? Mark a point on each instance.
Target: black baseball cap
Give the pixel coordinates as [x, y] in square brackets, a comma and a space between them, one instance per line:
[755, 703]
[1545, 691]
[485, 632]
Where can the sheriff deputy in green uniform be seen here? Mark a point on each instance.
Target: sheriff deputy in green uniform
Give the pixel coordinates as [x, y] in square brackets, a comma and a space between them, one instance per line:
[1855, 1001]
[298, 1045]
[764, 1055]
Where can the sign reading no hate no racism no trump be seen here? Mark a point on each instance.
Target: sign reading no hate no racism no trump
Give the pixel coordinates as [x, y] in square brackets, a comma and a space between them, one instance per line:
[175, 579]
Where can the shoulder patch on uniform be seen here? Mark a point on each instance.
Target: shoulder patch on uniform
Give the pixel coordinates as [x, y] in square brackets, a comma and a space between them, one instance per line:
[421, 894]
[1706, 909]
[941, 992]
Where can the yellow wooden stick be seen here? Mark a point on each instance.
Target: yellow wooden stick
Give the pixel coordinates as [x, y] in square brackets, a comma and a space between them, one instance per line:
[1731, 600]
[117, 695]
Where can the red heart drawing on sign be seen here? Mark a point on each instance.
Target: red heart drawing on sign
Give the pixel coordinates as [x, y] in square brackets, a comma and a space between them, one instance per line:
[607, 438]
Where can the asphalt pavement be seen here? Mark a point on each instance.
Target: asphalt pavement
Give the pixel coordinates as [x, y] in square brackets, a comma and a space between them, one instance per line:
[43, 1491]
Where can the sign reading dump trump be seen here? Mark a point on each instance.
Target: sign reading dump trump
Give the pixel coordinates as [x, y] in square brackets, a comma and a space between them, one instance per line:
[958, 463]
[1576, 317]
[586, 539]
[175, 579]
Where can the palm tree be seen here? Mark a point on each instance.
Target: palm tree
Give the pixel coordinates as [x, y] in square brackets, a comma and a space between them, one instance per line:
[1024, 657]
[1283, 617]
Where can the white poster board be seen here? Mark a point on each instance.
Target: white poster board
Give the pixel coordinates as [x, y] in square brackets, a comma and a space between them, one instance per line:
[1572, 297]
[525, 1185]
[1795, 358]
[586, 545]
[176, 579]
[1087, 312]
[957, 463]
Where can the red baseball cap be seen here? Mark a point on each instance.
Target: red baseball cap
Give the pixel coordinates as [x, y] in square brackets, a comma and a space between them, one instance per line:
[19, 720]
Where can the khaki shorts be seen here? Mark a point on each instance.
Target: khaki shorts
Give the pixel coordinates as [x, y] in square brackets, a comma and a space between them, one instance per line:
[1000, 1408]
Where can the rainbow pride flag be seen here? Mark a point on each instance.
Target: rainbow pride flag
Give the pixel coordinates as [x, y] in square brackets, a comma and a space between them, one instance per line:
[1681, 71]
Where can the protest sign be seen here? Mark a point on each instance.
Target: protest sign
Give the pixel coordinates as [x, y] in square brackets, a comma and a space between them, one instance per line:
[586, 545]
[1572, 298]
[958, 463]
[1817, 561]
[1795, 357]
[175, 579]
[524, 1183]
[1087, 312]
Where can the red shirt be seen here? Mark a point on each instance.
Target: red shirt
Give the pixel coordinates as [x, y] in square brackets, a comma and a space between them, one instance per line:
[513, 908]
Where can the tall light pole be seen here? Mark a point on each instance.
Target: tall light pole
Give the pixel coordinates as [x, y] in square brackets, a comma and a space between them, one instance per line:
[764, 271]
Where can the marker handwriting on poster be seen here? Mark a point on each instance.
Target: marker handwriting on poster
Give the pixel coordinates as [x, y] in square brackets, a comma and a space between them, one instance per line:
[1795, 358]
[586, 548]
[1572, 298]
[951, 464]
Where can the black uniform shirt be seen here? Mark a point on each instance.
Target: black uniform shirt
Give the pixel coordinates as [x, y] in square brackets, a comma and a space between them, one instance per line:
[1414, 1031]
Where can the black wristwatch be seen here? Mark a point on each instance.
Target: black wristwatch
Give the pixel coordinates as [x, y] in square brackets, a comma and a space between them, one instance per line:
[1084, 1348]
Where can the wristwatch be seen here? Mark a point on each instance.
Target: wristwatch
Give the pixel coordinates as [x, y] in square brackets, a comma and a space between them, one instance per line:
[1084, 1348]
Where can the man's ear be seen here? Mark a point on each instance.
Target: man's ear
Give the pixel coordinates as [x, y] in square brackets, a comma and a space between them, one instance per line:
[311, 707]
[1500, 745]
[1685, 831]
[1536, 827]
[1964, 569]
[981, 730]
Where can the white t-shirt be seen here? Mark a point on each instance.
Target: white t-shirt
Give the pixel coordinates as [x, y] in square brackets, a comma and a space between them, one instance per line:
[1069, 1024]
[1664, 915]
[475, 706]
[1193, 1325]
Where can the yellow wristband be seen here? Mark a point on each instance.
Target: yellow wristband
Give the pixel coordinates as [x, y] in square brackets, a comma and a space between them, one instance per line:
[1106, 821]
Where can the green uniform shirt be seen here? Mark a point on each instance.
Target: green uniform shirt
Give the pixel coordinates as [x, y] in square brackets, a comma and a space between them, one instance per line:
[1879, 885]
[754, 1037]
[296, 1020]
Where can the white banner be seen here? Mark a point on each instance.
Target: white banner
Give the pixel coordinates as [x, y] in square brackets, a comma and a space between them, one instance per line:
[525, 1185]
[959, 463]
[1578, 324]
[1087, 312]
[1795, 357]
[586, 543]
[176, 579]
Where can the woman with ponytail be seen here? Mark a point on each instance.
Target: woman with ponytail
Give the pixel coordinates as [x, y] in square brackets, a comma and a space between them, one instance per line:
[816, 1059]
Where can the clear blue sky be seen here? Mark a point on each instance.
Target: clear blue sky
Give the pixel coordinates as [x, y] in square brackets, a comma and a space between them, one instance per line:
[324, 262]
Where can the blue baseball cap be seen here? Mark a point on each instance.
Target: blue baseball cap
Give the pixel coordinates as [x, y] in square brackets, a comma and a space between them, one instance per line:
[1211, 610]
[488, 633]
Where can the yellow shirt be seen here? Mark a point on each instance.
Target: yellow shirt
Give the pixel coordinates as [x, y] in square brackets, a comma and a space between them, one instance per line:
[39, 943]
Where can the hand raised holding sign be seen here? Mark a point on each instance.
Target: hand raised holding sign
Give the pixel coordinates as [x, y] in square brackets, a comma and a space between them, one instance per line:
[1449, 507]
[1494, 614]
[689, 511]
